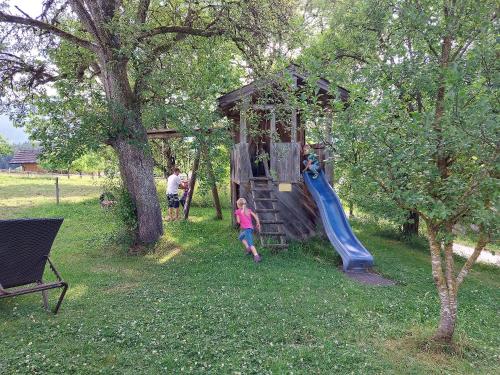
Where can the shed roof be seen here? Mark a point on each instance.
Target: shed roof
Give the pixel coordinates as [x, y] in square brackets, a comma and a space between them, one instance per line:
[25, 157]
[228, 100]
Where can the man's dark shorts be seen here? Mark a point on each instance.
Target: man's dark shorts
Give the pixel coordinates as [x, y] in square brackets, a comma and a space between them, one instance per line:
[173, 200]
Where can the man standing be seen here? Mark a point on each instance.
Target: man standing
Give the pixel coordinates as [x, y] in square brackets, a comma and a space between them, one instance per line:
[173, 183]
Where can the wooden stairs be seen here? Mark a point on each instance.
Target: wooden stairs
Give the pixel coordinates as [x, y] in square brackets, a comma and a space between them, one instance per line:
[272, 234]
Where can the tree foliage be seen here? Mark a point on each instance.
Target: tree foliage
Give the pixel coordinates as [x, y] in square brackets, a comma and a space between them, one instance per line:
[5, 147]
[83, 73]
[422, 117]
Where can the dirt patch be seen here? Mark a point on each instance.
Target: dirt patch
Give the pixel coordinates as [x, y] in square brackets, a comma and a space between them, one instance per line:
[369, 277]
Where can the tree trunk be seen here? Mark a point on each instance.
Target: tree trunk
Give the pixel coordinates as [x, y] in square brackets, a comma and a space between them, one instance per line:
[410, 227]
[445, 284]
[351, 210]
[169, 164]
[136, 168]
[131, 145]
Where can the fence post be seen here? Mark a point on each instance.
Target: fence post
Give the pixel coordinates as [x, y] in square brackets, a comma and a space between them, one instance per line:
[57, 190]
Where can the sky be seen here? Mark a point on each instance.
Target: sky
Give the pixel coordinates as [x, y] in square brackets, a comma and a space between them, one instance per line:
[12, 134]
[18, 135]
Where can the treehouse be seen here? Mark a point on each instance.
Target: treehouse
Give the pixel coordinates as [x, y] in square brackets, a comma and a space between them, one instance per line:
[268, 136]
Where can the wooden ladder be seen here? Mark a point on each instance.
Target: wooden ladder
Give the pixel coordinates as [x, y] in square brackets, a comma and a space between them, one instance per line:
[263, 193]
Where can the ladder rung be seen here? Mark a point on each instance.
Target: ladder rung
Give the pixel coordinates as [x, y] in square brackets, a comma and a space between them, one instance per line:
[275, 222]
[272, 234]
[266, 210]
[259, 178]
[266, 199]
[262, 189]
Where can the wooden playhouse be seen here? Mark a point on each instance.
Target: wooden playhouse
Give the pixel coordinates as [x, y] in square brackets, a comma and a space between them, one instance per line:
[266, 155]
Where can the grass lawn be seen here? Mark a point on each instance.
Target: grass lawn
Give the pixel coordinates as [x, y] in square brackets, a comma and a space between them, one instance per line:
[197, 305]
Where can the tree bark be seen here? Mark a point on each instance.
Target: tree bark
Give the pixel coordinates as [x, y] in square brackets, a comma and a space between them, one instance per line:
[131, 145]
[445, 284]
[136, 168]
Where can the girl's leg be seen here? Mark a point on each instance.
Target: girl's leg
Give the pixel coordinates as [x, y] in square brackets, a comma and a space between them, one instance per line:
[254, 250]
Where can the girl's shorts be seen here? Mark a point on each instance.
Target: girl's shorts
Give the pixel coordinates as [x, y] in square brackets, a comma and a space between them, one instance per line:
[247, 235]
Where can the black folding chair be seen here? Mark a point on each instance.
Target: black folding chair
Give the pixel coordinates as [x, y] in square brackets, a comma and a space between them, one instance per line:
[24, 251]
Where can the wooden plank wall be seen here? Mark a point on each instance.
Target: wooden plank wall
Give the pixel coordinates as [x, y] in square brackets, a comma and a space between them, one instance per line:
[285, 162]
[241, 167]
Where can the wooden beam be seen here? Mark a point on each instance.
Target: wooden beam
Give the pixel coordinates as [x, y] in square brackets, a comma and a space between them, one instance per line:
[263, 107]
[243, 120]
[192, 183]
[273, 126]
[213, 183]
[293, 130]
[329, 140]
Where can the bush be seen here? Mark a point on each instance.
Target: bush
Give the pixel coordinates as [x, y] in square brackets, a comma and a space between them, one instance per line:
[124, 208]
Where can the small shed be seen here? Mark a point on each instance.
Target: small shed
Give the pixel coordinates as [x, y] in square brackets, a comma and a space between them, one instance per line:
[280, 136]
[28, 159]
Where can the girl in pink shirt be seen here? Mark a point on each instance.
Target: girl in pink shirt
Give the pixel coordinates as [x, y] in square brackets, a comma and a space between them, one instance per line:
[244, 219]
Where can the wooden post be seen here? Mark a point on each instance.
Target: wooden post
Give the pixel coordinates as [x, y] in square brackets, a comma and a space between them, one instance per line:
[57, 190]
[273, 156]
[293, 130]
[192, 183]
[329, 141]
[243, 120]
[213, 183]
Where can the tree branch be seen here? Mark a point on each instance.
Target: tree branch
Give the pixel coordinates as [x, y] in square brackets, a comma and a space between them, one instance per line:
[480, 245]
[87, 21]
[179, 30]
[30, 22]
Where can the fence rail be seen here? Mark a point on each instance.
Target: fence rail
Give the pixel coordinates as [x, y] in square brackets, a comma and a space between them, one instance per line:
[50, 174]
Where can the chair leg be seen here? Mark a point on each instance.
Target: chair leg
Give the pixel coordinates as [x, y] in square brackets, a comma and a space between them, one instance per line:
[61, 297]
[45, 297]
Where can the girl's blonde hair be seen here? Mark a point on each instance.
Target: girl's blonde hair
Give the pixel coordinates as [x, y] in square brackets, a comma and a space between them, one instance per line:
[242, 203]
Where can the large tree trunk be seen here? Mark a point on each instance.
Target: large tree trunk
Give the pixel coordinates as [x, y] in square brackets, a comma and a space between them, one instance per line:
[136, 168]
[131, 145]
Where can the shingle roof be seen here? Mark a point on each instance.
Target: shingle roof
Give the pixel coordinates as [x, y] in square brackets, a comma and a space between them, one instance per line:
[25, 156]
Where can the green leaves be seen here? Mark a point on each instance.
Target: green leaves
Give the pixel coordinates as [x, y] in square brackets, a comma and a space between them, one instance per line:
[5, 147]
[391, 136]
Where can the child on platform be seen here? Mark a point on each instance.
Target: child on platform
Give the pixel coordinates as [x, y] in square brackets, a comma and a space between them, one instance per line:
[311, 162]
[244, 219]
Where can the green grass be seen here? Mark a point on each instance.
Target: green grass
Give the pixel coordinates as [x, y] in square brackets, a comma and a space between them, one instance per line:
[197, 305]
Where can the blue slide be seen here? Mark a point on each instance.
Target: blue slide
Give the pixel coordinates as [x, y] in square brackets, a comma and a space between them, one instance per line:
[353, 253]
